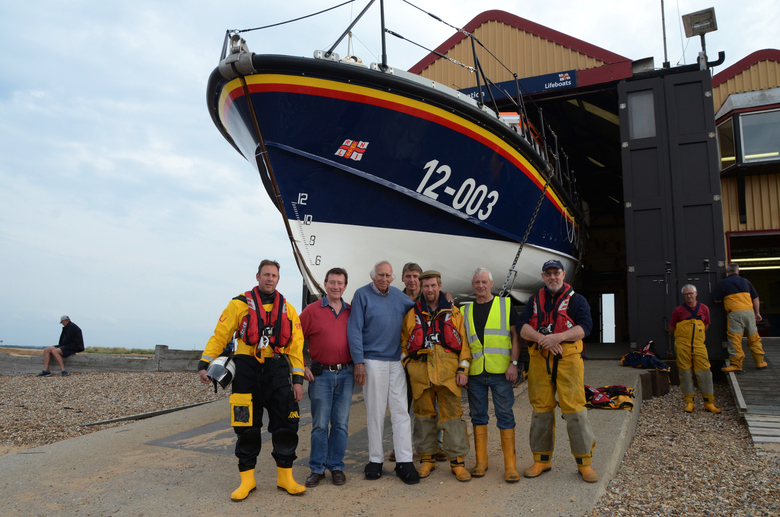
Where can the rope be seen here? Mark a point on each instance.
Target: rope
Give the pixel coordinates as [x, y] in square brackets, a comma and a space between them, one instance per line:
[296, 19]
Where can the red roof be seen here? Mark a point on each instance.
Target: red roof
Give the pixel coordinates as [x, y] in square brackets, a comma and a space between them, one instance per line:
[767, 54]
[527, 26]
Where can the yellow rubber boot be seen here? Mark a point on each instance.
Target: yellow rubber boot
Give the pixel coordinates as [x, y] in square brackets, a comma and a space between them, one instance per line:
[537, 469]
[588, 474]
[458, 469]
[688, 403]
[510, 457]
[285, 481]
[480, 447]
[248, 484]
[709, 404]
[427, 465]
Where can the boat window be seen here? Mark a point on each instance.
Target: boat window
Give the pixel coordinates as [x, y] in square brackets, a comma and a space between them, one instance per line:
[728, 155]
[641, 114]
[760, 136]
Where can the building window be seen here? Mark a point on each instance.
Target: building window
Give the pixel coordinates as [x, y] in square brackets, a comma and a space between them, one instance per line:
[760, 136]
[641, 114]
[726, 144]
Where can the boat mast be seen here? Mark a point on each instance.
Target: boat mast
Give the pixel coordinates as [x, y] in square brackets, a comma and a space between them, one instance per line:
[359, 16]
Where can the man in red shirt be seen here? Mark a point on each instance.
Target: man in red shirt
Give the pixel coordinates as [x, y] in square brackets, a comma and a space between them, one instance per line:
[331, 379]
[688, 323]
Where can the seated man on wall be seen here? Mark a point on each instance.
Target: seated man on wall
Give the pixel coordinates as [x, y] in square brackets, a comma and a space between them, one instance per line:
[71, 342]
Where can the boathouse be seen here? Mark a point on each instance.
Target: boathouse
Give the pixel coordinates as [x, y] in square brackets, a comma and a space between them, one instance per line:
[671, 196]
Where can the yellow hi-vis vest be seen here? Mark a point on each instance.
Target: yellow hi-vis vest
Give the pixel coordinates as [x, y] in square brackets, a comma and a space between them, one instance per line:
[493, 355]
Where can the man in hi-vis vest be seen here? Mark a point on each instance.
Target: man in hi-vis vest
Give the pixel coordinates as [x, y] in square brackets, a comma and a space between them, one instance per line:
[268, 375]
[554, 322]
[490, 328]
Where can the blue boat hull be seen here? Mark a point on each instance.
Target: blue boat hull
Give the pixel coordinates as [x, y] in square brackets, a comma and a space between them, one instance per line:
[342, 147]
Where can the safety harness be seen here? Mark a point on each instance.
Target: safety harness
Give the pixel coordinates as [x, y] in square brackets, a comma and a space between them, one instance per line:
[439, 331]
[554, 322]
[276, 329]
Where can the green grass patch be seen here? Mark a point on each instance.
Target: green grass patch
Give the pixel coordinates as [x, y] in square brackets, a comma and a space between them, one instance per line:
[118, 351]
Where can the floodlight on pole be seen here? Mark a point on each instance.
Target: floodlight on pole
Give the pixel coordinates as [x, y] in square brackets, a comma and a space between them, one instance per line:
[700, 23]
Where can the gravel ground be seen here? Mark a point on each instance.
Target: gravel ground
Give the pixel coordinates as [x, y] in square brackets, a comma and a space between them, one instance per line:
[693, 464]
[38, 411]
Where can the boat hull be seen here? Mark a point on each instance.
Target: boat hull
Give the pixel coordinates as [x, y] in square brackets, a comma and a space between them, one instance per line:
[363, 167]
[456, 260]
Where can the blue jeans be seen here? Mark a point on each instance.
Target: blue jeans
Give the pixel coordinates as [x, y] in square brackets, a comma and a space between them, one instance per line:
[503, 399]
[331, 399]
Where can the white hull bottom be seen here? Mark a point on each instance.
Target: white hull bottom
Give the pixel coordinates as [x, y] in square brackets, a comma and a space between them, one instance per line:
[324, 246]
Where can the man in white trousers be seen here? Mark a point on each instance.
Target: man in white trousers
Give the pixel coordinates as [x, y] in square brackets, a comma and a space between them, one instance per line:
[374, 334]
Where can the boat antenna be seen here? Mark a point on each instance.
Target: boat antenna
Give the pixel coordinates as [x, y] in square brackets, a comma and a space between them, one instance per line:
[384, 46]
[349, 29]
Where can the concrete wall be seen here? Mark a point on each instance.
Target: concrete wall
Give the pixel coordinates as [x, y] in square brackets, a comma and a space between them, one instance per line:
[164, 360]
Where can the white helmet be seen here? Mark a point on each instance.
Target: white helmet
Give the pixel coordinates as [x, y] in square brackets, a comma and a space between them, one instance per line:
[221, 370]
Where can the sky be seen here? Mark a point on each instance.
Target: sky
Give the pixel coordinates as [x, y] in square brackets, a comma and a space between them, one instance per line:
[122, 206]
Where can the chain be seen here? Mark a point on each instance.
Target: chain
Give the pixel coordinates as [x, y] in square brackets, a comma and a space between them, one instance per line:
[512, 270]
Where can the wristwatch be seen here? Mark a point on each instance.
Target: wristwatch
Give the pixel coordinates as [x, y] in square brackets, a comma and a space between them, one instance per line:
[514, 363]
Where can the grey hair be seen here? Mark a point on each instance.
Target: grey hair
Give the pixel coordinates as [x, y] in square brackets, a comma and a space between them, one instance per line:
[688, 286]
[373, 270]
[481, 270]
[732, 268]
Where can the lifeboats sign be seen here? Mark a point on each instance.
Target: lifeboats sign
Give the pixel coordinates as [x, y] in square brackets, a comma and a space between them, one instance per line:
[537, 84]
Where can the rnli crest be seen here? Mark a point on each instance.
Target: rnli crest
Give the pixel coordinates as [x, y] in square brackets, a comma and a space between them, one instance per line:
[352, 150]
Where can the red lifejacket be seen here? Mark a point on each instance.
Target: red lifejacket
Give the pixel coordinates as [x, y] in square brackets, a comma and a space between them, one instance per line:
[276, 323]
[438, 331]
[556, 321]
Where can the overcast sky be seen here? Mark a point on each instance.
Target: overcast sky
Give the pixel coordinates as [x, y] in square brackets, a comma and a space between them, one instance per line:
[120, 203]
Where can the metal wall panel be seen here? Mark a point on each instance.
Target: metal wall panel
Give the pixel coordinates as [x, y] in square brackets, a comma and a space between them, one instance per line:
[762, 198]
[760, 76]
[526, 54]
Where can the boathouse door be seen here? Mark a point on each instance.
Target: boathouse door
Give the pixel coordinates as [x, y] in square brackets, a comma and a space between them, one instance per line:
[671, 186]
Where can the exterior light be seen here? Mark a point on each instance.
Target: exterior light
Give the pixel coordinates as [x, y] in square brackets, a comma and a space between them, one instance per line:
[699, 24]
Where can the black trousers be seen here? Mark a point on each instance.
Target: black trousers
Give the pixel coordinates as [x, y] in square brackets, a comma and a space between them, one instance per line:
[269, 383]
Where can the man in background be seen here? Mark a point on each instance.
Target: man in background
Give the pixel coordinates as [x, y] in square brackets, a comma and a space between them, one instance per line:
[742, 305]
[71, 342]
[688, 324]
